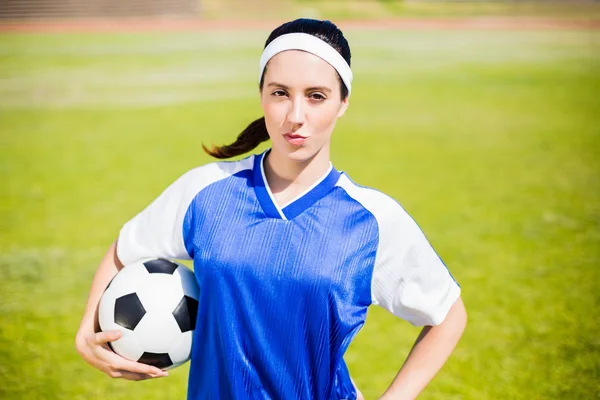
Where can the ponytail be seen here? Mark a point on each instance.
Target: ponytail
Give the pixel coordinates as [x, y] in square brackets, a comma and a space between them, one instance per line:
[249, 139]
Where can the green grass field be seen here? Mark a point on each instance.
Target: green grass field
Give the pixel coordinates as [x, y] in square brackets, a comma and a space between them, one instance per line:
[489, 139]
[374, 9]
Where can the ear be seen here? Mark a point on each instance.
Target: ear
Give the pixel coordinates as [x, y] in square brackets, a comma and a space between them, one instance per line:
[344, 106]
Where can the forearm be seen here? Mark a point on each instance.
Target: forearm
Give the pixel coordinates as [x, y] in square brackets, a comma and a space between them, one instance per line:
[429, 353]
[108, 268]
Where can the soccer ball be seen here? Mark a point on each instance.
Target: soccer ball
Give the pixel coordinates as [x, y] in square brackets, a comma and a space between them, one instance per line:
[154, 304]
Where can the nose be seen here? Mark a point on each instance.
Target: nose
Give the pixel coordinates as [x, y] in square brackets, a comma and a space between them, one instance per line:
[296, 115]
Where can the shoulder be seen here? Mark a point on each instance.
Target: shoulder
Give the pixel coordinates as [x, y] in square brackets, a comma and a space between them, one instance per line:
[386, 210]
[218, 170]
[202, 176]
[184, 189]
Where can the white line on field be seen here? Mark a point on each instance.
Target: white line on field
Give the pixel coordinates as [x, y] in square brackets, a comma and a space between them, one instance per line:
[84, 100]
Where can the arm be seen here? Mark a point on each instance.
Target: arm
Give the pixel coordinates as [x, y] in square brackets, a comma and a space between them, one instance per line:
[157, 231]
[429, 353]
[92, 344]
[108, 268]
[154, 232]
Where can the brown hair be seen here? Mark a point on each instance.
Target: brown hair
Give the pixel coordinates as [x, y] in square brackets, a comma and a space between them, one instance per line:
[256, 132]
[249, 139]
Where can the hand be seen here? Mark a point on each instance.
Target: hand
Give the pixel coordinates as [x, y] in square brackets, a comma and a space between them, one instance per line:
[94, 349]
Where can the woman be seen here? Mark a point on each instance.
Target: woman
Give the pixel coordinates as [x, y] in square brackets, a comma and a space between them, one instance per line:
[288, 252]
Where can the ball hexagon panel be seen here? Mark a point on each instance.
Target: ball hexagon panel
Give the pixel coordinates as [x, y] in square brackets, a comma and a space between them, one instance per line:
[129, 311]
[160, 292]
[106, 312]
[187, 280]
[181, 350]
[128, 280]
[128, 345]
[157, 332]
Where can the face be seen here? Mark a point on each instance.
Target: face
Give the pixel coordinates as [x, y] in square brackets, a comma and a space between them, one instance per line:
[301, 101]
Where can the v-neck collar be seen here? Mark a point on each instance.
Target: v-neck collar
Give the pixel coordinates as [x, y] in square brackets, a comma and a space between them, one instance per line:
[294, 208]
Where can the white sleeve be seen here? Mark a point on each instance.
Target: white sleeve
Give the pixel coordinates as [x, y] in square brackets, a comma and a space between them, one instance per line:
[157, 231]
[409, 278]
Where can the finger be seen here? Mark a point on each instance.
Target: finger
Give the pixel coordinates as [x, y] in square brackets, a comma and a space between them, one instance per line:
[113, 374]
[136, 367]
[121, 363]
[132, 376]
[108, 336]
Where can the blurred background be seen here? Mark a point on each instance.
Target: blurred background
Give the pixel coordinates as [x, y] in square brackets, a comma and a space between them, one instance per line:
[480, 118]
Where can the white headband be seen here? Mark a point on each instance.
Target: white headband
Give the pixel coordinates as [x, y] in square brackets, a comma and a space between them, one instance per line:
[310, 44]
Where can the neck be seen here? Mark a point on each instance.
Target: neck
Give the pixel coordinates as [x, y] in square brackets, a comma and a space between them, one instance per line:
[287, 178]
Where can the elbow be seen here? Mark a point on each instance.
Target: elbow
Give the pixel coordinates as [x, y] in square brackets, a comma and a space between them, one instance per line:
[460, 315]
[457, 317]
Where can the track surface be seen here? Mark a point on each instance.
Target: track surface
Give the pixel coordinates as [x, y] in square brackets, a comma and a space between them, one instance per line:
[166, 25]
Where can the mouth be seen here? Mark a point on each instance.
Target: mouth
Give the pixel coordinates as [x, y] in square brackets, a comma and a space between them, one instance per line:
[295, 139]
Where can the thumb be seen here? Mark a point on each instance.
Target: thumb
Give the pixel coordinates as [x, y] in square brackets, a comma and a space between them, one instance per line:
[108, 336]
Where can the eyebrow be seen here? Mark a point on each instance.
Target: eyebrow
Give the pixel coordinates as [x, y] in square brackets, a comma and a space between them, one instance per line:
[320, 88]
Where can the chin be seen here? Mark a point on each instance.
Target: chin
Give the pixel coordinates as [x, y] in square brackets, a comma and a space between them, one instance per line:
[300, 154]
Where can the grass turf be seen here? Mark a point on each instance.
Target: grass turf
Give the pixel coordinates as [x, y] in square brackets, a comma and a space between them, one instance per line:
[375, 9]
[489, 139]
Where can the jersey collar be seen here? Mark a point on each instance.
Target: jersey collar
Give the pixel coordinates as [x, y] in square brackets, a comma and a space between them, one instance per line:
[300, 203]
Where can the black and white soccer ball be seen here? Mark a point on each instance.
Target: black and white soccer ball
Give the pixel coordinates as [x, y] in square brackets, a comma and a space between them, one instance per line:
[154, 304]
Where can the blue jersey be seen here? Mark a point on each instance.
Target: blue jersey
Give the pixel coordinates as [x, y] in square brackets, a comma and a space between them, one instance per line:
[283, 290]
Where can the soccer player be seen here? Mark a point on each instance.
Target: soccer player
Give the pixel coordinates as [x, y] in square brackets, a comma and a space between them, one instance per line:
[288, 252]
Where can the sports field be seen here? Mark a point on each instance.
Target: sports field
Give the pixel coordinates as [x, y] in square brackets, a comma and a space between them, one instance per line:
[490, 139]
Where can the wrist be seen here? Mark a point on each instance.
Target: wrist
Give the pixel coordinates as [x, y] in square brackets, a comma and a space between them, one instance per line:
[81, 335]
[396, 397]
[397, 394]
[86, 327]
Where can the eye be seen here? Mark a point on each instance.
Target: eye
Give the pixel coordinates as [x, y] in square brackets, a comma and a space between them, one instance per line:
[279, 93]
[317, 96]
